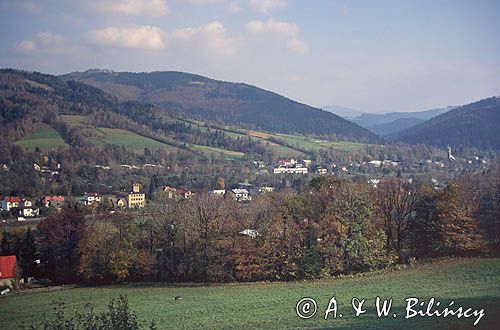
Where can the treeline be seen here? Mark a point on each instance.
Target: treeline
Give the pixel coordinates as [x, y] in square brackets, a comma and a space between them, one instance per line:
[336, 227]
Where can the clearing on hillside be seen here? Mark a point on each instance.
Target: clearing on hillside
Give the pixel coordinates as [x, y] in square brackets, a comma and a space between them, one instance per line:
[44, 137]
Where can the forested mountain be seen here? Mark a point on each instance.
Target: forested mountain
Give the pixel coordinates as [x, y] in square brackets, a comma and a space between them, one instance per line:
[226, 102]
[385, 124]
[473, 125]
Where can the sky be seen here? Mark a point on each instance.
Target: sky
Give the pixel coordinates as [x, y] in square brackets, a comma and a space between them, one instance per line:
[373, 56]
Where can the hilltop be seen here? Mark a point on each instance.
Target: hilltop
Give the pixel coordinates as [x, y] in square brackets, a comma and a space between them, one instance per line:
[474, 125]
[224, 102]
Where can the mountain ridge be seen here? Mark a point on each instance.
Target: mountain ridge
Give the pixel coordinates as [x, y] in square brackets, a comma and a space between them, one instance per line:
[473, 125]
[233, 103]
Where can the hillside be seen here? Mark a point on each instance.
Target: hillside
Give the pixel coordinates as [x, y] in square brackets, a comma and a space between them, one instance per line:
[385, 124]
[473, 125]
[388, 129]
[224, 102]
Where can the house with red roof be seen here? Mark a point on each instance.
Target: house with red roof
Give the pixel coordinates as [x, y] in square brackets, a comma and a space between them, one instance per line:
[10, 202]
[49, 201]
[172, 192]
[7, 270]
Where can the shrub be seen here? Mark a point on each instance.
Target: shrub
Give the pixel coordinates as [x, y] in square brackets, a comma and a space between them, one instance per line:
[117, 317]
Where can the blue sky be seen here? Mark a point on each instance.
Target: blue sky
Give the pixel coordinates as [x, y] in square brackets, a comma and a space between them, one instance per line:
[374, 56]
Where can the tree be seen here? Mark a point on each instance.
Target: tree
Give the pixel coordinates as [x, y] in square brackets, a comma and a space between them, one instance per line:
[109, 251]
[60, 234]
[458, 225]
[347, 236]
[396, 201]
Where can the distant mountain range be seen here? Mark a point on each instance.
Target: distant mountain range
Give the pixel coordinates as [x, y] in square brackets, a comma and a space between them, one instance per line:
[387, 124]
[473, 125]
[225, 102]
[347, 113]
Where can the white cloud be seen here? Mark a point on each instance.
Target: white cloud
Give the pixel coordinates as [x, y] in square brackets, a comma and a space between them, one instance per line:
[141, 37]
[153, 8]
[266, 6]
[278, 29]
[205, 2]
[297, 46]
[49, 43]
[25, 47]
[213, 38]
[50, 39]
[234, 7]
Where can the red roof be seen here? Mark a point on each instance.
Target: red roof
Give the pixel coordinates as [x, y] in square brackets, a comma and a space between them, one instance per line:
[7, 266]
[53, 198]
[13, 199]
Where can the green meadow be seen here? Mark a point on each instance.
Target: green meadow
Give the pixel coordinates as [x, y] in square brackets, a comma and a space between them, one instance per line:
[121, 137]
[468, 282]
[44, 137]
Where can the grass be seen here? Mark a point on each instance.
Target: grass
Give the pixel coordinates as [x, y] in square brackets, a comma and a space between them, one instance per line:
[104, 136]
[44, 137]
[75, 120]
[230, 154]
[470, 282]
[121, 137]
[308, 143]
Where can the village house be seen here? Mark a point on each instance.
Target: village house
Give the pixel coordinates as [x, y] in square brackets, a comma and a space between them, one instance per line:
[136, 198]
[259, 163]
[265, 189]
[287, 162]
[217, 192]
[53, 201]
[240, 195]
[7, 270]
[119, 202]
[9, 203]
[290, 170]
[321, 171]
[26, 209]
[172, 192]
[90, 198]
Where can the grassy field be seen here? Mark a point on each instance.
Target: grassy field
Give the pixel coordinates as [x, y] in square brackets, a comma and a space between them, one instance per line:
[121, 137]
[229, 154]
[103, 136]
[469, 282]
[44, 137]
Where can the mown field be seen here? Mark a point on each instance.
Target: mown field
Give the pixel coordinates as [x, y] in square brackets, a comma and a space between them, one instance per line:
[469, 282]
[44, 137]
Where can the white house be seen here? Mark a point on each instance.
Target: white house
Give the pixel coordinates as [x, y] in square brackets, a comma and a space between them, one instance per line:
[27, 210]
[218, 192]
[265, 189]
[240, 195]
[290, 170]
[90, 198]
[321, 171]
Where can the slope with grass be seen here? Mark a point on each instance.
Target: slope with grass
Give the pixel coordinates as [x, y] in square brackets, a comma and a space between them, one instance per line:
[469, 282]
[104, 136]
[43, 137]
